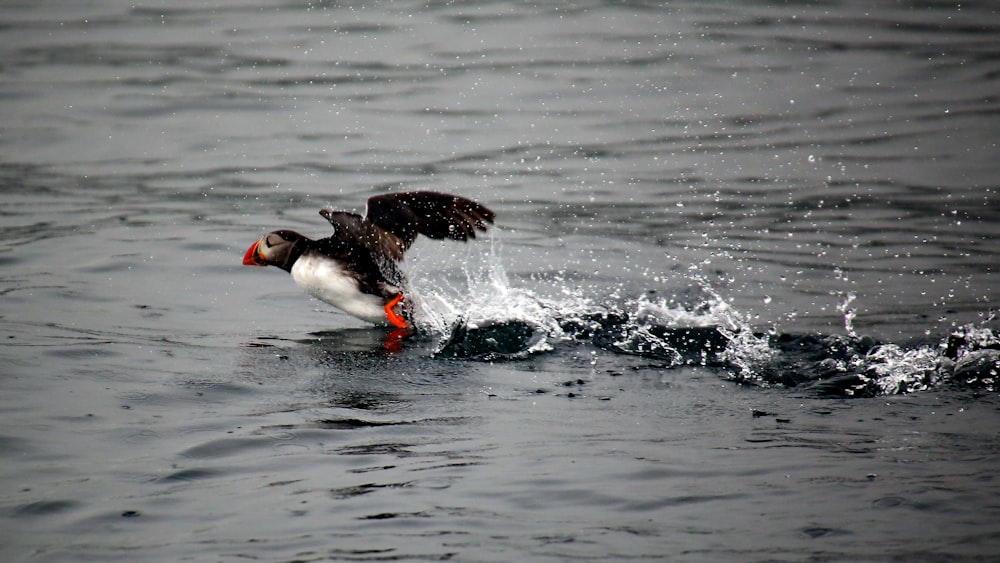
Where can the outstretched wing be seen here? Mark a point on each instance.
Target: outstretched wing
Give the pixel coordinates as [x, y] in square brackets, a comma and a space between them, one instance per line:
[351, 231]
[432, 214]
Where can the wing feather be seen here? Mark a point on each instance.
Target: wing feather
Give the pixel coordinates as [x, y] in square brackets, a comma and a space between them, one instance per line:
[432, 214]
[393, 221]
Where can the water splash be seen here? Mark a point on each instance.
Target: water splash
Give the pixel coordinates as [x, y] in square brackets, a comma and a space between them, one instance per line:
[492, 319]
[892, 370]
[975, 351]
[849, 313]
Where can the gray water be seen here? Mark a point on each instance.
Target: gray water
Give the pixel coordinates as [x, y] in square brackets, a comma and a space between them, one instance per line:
[740, 303]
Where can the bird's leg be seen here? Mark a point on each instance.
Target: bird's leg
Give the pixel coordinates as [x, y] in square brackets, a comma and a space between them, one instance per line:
[395, 319]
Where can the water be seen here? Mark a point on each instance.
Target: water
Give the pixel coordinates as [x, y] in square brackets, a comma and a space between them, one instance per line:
[740, 304]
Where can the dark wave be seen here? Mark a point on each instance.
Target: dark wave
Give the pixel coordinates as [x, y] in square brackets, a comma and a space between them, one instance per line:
[826, 365]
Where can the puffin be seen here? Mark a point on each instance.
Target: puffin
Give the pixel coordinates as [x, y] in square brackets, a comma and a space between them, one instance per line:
[356, 269]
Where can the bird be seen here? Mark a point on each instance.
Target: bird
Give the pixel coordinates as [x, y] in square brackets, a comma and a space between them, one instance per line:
[356, 269]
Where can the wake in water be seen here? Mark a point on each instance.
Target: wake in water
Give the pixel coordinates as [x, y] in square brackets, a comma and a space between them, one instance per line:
[492, 321]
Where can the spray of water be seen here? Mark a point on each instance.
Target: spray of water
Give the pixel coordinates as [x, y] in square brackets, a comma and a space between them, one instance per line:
[480, 314]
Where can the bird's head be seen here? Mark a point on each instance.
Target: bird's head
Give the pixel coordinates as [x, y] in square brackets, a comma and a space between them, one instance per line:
[278, 248]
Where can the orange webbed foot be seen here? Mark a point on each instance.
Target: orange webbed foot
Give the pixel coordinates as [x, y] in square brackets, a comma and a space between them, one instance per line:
[395, 319]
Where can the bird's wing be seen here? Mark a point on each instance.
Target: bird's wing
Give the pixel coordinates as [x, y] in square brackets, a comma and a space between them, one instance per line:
[350, 230]
[432, 214]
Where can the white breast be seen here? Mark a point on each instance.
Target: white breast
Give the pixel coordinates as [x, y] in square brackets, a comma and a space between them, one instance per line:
[327, 281]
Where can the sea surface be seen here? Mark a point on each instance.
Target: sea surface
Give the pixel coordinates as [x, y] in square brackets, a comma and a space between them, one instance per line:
[740, 304]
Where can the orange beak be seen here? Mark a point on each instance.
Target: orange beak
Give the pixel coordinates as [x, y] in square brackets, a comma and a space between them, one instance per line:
[253, 257]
